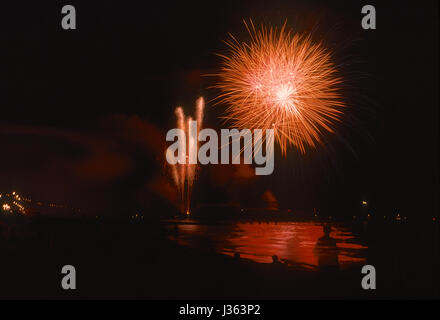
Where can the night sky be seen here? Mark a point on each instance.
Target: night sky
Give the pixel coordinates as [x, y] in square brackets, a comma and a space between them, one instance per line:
[84, 112]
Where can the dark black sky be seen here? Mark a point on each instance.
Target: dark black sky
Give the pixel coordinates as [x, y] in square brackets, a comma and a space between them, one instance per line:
[61, 92]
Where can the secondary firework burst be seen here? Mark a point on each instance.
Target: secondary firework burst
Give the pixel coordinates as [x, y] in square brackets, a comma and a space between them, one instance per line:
[281, 80]
[184, 175]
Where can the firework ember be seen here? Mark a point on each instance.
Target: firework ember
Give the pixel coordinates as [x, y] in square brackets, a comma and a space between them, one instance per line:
[283, 81]
[184, 174]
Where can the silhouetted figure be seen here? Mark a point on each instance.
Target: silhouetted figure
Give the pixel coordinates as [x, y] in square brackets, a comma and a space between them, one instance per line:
[327, 251]
[275, 259]
[237, 255]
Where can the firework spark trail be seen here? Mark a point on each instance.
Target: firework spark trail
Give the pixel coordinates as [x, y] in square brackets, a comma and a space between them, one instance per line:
[184, 174]
[281, 81]
[180, 183]
[200, 106]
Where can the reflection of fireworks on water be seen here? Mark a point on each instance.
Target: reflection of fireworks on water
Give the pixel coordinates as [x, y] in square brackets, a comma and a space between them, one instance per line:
[184, 174]
[282, 81]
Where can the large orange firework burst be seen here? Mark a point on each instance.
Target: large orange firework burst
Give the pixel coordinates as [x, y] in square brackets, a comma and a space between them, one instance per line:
[283, 81]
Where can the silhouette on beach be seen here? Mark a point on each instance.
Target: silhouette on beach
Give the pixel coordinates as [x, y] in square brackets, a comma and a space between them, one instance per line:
[327, 251]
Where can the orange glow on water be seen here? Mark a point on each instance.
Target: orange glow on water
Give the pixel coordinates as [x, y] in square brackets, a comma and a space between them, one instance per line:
[291, 242]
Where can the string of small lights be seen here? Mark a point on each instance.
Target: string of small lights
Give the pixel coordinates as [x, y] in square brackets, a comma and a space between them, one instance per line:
[13, 203]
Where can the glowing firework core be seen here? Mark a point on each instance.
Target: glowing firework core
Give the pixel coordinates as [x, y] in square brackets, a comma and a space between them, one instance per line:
[281, 81]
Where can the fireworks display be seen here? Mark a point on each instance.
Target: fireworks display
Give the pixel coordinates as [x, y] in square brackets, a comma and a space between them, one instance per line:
[283, 81]
[184, 174]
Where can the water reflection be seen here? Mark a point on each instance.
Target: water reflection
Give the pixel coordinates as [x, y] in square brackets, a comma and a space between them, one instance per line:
[298, 244]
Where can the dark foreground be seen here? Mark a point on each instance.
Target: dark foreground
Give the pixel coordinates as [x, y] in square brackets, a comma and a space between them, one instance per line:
[127, 259]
